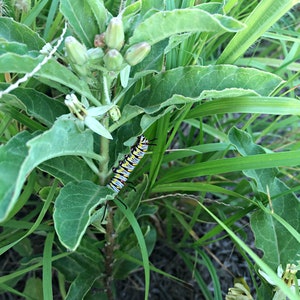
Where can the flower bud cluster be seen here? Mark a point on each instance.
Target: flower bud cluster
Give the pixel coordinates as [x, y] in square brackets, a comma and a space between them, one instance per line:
[108, 52]
[113, 40]
[109, 55]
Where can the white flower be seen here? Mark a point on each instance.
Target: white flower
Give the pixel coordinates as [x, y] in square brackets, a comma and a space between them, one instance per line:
[88, 116]
[288, 277]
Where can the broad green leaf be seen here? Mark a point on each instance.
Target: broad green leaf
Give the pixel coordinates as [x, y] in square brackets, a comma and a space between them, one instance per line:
[52, 70]
[129, 112]
[99, 12]
[14, 47]
[9, 100]
[81, 285]
[266, 13]
[90, 250]
[175, 41]
[97, 127]
[164, 24]
[68, 265]
[260, 263]
[73, 209]
[234, 94]
[130, 11]
[277, 243]
[12, 31]
[86, 258]
[67, 169]
[40, 106]
[80, 16]
[64, 138]
[212, 7]
[148, 120]
[274, 238]
[201, 82]
[57, 72]
[11, 62]
[185, 85]
[153, 61]
[153, 5]
[12, 156]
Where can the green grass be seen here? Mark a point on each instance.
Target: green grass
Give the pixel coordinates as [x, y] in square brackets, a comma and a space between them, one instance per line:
[217, 99]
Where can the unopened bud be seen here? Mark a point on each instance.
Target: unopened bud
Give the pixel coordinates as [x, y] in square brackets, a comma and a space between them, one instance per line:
[76, 52]
[113, 60]
[114, 35]
[99, 40]
[115, 113]
[95, 54]
[81, 70]
[136, 53]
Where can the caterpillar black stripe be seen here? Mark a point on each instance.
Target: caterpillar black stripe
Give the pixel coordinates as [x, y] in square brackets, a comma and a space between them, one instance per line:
[126, 166]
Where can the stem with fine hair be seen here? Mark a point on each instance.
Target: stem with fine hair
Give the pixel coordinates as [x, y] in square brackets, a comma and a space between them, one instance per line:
[104, 142]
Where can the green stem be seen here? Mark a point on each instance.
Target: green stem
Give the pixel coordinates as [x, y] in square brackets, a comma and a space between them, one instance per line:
[106, 89]
[104, 148]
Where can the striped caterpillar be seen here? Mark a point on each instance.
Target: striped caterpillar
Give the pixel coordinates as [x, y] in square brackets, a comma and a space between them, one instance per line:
[127, 165]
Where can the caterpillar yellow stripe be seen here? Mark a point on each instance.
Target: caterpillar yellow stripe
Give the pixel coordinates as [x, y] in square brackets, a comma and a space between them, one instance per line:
[127, 165]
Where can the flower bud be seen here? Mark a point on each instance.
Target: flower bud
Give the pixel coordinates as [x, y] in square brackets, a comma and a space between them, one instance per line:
[115, 113]
[76, 52]
[136, 53]
[99, 40]
[113, 60]
[83, 71]
[95, 55]
[114, 35]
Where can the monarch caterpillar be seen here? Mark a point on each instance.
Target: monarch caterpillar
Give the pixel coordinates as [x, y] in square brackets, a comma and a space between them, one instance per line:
[127, 165]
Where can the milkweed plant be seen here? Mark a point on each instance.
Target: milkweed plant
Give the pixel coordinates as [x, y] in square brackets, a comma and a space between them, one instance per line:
[133, 126]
